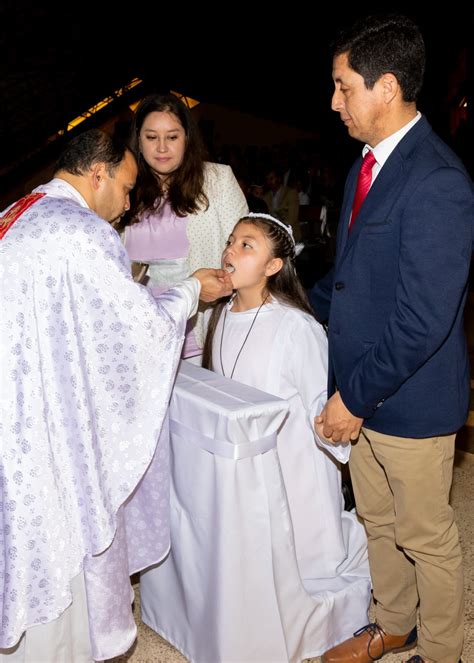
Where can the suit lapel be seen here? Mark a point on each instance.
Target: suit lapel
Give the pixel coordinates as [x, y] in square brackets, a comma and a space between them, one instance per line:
[383, 193]
[349, 193]
[377, 204]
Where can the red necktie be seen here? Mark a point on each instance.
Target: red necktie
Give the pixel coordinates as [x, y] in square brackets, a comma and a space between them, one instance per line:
[363, 185]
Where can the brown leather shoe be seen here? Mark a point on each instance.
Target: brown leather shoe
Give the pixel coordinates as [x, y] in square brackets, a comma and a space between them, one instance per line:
[369, 644]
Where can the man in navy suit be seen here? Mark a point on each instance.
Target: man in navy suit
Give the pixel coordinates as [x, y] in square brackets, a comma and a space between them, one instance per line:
[399, 374]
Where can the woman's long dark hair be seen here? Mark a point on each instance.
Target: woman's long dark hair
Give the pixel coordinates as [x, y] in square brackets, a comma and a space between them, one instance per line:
[186, 185]
[284, 285]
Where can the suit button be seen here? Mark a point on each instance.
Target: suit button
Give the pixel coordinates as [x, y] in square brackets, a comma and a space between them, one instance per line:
[339, 285]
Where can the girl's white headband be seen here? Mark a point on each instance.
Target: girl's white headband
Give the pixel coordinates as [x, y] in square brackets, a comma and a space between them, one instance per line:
[269, 217]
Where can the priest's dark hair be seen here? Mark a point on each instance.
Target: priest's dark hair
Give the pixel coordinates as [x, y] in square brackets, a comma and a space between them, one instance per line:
[285, 285]
[91, 147]
[185, 192]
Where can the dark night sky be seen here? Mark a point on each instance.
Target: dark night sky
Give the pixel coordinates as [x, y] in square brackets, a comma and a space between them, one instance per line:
[58, 62]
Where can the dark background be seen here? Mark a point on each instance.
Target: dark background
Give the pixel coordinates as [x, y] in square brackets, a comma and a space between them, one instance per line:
[57, 61]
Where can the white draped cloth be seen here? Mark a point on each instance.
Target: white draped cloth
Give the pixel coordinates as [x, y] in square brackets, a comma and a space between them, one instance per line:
[88, 360]
[265, 565]
[285, 354]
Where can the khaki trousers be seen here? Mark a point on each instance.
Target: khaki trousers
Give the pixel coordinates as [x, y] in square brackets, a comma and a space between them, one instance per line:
[402, 486]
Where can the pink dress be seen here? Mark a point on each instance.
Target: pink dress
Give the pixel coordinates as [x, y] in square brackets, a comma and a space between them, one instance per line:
[160, 240]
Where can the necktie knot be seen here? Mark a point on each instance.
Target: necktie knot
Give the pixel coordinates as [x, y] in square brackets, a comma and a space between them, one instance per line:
[368, 163]
[364, 181]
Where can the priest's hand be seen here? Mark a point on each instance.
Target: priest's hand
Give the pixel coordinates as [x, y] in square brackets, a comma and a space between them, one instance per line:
[336, 423]
[215, 283]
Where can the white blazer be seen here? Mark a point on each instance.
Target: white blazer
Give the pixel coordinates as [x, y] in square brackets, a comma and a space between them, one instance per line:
[209, 230]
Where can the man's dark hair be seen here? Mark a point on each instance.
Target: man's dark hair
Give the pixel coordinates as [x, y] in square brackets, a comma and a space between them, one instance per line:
[91, 147]
[379, 45]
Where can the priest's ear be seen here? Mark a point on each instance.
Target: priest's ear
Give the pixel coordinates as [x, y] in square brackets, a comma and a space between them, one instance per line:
[274, 265]
[98, 174]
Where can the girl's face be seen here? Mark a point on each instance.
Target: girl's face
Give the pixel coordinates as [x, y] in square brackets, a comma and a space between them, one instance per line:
[162, 142]
[248, 252]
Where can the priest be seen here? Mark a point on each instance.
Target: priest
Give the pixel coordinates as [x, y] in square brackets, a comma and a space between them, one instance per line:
[88, 361]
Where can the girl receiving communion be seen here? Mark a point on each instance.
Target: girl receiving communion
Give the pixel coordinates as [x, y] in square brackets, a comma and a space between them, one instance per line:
[265, 336]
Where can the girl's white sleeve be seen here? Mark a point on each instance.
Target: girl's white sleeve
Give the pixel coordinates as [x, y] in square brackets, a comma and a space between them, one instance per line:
[309, 369]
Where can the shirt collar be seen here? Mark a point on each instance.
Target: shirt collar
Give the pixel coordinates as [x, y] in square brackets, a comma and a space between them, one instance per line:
[384, 149]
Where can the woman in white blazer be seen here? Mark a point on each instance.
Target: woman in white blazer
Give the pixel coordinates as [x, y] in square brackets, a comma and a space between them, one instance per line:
[184, 207]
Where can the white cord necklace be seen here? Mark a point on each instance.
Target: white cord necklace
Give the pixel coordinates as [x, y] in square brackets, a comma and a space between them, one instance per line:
[245, 339]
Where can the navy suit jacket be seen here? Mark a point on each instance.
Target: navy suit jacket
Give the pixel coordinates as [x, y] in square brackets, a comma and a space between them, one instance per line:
[395, 297]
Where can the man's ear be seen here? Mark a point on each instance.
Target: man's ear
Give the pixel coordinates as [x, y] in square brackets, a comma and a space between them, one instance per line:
[274, 266]
[390, 86]
[98, 174]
